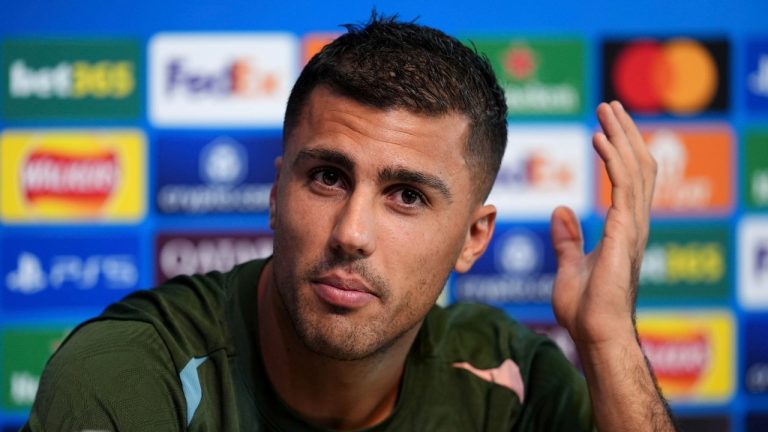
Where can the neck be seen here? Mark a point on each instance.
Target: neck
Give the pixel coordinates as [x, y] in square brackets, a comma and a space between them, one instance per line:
[336, 394]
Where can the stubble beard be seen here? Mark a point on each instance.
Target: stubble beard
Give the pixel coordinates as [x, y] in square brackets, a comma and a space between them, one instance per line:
[335, 333]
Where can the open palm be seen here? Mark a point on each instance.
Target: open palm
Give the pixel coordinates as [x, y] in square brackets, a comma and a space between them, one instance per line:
[594, 294]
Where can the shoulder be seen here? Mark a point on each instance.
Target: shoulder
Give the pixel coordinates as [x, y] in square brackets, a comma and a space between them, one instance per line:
[109, 375]
[191, 314]
[141, 365]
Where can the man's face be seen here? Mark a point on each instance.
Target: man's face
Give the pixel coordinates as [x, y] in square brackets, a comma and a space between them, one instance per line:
[371, 210]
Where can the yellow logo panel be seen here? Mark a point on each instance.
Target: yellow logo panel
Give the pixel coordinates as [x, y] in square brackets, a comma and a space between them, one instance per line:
[72, 175]
[692, 353]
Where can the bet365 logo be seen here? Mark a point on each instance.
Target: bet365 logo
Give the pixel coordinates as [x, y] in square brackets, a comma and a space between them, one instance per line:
[45, 78]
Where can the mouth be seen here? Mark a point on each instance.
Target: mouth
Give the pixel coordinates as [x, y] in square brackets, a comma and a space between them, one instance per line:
[343, 292]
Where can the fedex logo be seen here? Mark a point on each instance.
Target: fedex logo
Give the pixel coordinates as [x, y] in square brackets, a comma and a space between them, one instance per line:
[220, 79]
[541, 169]
[240, 77]
[538, 169]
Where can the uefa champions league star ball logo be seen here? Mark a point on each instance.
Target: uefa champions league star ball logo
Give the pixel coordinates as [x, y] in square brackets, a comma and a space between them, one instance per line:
[519, 252]
[223, 162]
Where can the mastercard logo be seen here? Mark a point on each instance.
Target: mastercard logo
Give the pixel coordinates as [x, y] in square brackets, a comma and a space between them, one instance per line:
[679, 76]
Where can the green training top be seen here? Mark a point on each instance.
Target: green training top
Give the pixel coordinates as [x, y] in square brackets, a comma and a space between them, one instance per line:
[185, 356]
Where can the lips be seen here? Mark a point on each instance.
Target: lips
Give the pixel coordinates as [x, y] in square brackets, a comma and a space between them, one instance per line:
[343, 292]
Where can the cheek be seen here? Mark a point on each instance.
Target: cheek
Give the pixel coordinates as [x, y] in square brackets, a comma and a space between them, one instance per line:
[424, 256]
[298, 225]
[428, 243]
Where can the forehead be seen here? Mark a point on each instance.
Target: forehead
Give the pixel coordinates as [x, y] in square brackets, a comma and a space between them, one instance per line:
[329, 119]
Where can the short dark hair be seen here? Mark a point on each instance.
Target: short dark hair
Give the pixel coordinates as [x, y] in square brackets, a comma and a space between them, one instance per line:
[390, 64]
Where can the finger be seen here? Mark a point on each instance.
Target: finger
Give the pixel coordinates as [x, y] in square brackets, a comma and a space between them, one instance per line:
[647, 172]
[567, 239]
[641, 150]
[628, 151]
[618, 137]
[621, 187]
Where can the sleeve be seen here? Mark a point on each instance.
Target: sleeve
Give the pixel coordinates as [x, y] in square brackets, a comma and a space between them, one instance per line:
[110, 376]
[558, 397]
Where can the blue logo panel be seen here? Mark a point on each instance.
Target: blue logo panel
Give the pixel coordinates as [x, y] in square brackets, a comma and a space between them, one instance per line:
[757, 75]
[60, 271]
[216, 174]
[518, 267]
[756, 354]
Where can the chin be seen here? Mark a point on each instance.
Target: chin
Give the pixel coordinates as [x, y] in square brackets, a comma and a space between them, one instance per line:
[337, 336]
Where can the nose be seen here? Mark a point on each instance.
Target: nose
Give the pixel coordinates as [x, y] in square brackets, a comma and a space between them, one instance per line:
[354, 233]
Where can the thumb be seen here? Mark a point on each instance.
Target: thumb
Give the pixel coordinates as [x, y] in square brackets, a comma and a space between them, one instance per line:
[567, 239]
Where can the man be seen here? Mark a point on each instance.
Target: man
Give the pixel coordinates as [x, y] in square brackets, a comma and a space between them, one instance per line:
[393, 135]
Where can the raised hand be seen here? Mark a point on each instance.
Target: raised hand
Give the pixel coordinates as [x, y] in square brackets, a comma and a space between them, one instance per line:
[594, 294]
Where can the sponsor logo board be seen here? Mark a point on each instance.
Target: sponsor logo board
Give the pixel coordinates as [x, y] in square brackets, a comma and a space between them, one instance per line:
[539, 76]
[215, 174]
[72, 175]
[679, 76]
[686, 264]
[757, 74]
[753, 263]
[755, 173]
[542, 168]
[25, 352]
[72, 79]
[755, 354]
[190, 253]
[65, 270]
[692, 353]
[220, 79]
[695, 170]
[518, 267]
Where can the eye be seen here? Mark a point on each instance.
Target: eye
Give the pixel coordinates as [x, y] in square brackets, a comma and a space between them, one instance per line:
[327, 177]
[410, 197]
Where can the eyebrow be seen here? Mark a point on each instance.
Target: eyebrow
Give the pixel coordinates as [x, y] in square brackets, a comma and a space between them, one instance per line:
[404, 175]
[327, 155]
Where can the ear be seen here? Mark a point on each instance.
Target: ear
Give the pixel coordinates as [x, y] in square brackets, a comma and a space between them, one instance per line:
[273, 192]
[478, 236]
